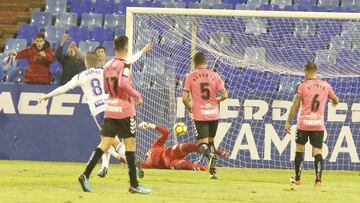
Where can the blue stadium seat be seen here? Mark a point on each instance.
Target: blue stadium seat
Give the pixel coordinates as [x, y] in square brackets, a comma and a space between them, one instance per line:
[347, 3]
[211, 2]
[55, 6]
[28, 32]
[305, 2]
[276, 55]
[325, 57]
[290, 41]
[101, 34]
[114, 21]
[15, 44]
[329, 28]
[23, 64]
[243, 40]
[150, 3]
[119, 32]
[174, 4]
[53, 33]
[81, 6]
[256, 26]
[253, 4]
[315, 42]
[317, 9]
[329, 3]
[56, 72]
[41, 19]
[340, 42]
[278, 27]
[242, 7]
[78, 34]
[350, 27]
[267, 82]
[66, 20]
[234, 2]
[282, 3]
[91, 20]
[342, 9]
[267, 7]
[304, 28]
[222, 6]
[267, 41]
[109, 47]
[87, 46]
[199, 5]
[255, 54]
[105, 7]
[296, 7]
[298, 57]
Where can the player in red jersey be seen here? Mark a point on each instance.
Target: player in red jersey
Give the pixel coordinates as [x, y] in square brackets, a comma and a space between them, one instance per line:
[312, 94]
[119, 115]
[204, 85]
[173, 157]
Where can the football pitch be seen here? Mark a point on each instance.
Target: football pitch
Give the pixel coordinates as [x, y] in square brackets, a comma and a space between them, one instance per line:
[29, 181]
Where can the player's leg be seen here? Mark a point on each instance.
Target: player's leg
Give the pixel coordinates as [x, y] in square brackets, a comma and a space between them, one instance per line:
[316, 140]
[213, 125]
[301, 139]
[127, 131]
[202, 137]
[109, 131]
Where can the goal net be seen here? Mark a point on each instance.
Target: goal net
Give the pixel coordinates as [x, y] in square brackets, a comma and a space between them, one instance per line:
[260, 56]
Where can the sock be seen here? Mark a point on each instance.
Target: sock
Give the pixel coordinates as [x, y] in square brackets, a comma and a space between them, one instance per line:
[319, 162]
[204, 150]
[130, 158]
[212, 147]
[299, 157]
[105, 160]
[94, 158]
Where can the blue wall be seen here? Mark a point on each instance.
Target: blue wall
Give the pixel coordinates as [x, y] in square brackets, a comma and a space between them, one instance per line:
[63, 130]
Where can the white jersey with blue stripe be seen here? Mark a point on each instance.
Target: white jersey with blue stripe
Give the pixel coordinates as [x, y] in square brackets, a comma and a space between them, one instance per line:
[91, 83]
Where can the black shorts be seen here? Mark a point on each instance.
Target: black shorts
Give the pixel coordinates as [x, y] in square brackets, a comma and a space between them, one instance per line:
[316, 138]
[204, 129]
[123, 128]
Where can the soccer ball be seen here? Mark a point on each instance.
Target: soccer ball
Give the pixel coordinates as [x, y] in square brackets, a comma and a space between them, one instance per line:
[180, 128]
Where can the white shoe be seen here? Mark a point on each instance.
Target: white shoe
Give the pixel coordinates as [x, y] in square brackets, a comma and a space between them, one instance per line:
[144, 125]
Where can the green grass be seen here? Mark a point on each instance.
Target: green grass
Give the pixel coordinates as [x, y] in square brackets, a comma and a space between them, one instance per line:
[28, 181]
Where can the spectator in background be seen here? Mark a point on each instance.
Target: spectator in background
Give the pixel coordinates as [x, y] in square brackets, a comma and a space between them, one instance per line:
[40, 55]
[101, 54]
[72, 62]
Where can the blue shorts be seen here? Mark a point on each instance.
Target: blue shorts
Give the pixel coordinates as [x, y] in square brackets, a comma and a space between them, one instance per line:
[99, 119]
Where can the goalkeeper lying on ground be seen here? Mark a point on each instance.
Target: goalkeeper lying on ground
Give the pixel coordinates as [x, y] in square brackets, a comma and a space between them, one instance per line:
[172, 157]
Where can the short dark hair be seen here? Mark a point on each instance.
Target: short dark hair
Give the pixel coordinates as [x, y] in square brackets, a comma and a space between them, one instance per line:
[310, 66]
[100, 47]
[120, 43]
[40, 35]
[199, 59]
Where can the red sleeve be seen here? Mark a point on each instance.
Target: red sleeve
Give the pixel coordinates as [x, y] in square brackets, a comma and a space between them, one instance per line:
[124, 83]
[25, 53]
[331, 94]
[50, 55]
[106, 84]
[187, 85]
[220, 83]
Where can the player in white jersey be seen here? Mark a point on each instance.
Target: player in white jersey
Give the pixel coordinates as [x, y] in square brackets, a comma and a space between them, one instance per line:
[91, 83]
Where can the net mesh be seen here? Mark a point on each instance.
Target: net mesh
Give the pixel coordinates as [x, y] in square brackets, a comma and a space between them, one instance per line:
[261, 62]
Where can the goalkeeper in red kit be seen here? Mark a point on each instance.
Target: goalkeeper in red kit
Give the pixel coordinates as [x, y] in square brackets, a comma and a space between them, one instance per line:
[173, 157]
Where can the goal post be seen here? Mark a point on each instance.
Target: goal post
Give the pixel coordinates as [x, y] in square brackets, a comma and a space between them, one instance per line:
[260, 56]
